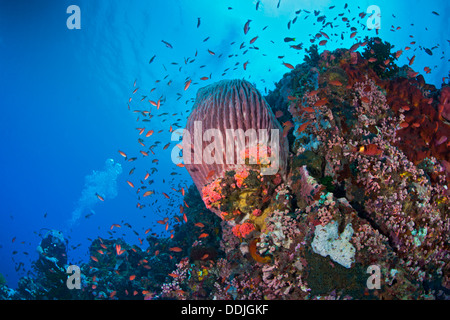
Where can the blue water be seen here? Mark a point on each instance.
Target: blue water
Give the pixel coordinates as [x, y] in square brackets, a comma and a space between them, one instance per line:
[65, 97]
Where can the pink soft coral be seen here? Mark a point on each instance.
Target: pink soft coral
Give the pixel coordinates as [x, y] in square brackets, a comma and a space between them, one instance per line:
[240, 177]
[211, 193]
[243, 230]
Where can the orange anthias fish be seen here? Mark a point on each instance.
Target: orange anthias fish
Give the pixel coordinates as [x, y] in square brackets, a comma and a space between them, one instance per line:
[119, 249]
[302, 127]
[290, 66]
[123, 154]
[187, 84]
[176, 249]
[336, 83]
[148, 193]
[321, 102]
[247, 26]
[210, 174]
[370, 150]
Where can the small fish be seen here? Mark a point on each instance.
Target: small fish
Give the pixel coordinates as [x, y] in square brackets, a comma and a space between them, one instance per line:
[297, 47]
[288, 65]
[100, 197]
[321, 102]
[173, 275]
[428, 51]
[323, 42]
[370, 150]
[411, 61]
[355, 46]
[441, 140]
[199, 224]
[210, 175]
[404, 125]
[203, 235]
[148, 193]
[287, 39]
[132, 277]
[365, 99]
[130, 184]
[302, 127]
[151, 59]
[325, 35]
[168, 45]
[198, 22]
[187, 84]
[165, 195]
[247, 26]
[119, 249]
[123, 154]
[175, 249]
[336, 83]
[94, 258]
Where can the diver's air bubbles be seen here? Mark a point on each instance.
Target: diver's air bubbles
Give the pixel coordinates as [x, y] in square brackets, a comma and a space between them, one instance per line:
[99, 186]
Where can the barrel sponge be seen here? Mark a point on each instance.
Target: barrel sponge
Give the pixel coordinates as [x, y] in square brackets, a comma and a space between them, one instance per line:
[228, 104]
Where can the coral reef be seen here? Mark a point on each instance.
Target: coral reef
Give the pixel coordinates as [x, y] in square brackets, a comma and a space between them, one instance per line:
[364, 187]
